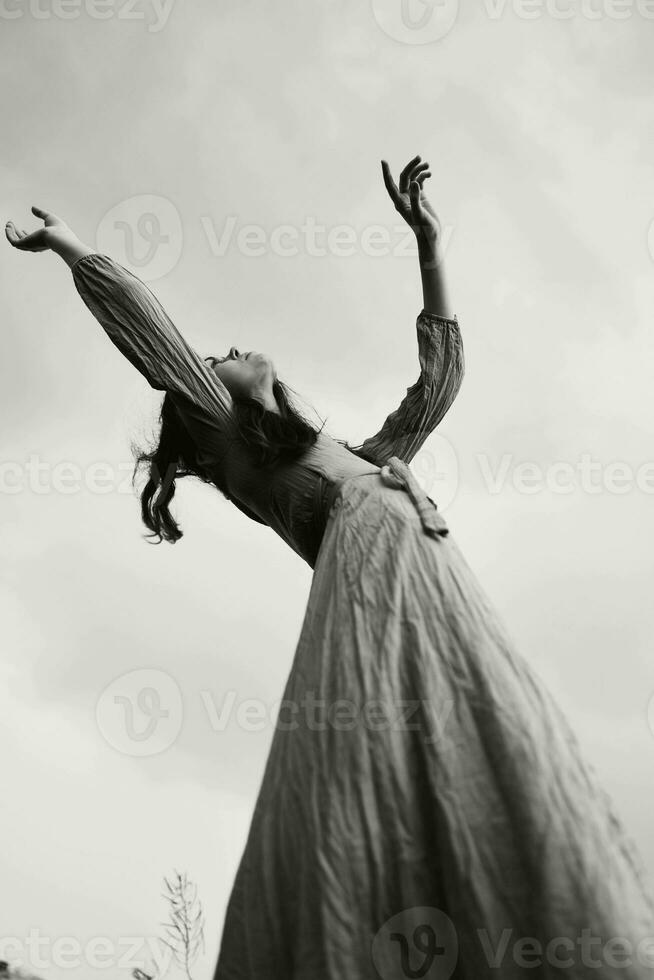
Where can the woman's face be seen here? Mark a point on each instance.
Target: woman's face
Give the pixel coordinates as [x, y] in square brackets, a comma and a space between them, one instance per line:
[249, 375]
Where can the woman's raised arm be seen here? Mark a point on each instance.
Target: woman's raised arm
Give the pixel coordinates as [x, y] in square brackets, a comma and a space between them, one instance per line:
[135, 322]
[440, 349]
[411, 202]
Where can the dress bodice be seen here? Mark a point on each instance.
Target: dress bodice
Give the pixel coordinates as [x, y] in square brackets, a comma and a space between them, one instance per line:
[294, 499]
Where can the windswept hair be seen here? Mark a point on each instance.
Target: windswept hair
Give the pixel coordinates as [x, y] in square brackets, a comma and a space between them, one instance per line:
[270, 438]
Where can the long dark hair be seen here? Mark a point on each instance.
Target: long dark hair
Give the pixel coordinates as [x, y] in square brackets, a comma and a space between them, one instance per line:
[270, 439]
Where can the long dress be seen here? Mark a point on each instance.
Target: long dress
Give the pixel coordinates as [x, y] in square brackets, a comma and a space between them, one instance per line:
[425, 810]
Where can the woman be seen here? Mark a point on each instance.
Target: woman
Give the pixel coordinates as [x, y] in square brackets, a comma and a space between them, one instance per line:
[425, 810]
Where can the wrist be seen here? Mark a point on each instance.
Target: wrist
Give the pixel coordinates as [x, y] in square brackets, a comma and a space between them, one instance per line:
[429, 251]
[67, 245]
[60, 239]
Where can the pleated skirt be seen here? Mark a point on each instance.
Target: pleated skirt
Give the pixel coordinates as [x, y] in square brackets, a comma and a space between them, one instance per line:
[426, 810]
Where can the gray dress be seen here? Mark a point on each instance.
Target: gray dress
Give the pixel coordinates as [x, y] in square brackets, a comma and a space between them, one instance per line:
[425, 809]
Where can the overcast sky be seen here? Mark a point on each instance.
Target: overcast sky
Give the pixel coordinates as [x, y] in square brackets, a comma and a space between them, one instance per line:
[160, 132]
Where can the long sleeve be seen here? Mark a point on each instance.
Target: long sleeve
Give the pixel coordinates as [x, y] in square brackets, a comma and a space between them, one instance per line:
[140, 328]
[440, 354]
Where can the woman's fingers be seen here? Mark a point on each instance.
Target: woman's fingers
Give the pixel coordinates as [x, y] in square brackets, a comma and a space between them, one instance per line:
[411, 173]
[417, 170]
[411, 181]
[40, 213]
[25, 241]
[406, 174]
[12, 233]
[391, 186]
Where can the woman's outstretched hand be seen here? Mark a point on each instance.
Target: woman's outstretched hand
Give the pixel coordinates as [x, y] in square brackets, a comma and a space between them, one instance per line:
[411, 201]
[55, 236]
[41, 240]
